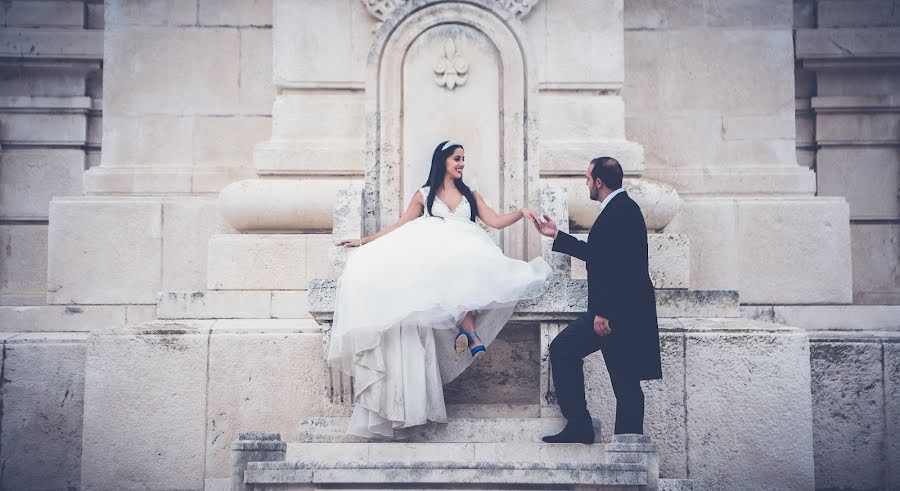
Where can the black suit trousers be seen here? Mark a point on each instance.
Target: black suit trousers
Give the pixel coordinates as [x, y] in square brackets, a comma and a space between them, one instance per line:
[567, 352]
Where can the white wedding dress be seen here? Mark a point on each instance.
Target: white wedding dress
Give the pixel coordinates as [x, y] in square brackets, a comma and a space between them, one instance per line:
[398, 302]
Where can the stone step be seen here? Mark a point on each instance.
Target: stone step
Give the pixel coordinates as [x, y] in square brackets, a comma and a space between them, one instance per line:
[456, 430]
[434, 474]
[447, 452]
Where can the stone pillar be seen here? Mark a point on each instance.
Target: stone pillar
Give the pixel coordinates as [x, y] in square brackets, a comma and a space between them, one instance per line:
[635, 449]
[549, 406]
[555, 204]
[253, 447]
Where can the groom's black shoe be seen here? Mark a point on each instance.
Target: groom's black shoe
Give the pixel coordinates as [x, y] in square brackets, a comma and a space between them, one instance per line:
[573, 433]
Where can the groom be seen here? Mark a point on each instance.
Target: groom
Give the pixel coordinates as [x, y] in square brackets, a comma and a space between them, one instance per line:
[621, 316]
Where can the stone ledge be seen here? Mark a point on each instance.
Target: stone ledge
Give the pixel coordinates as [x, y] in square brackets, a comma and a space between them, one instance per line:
[869, 42]
[566, 298]
[71, 44]
[72, 317]
[456, 430]
[828, 317]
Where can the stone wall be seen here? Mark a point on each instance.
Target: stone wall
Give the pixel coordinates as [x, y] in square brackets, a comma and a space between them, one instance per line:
[848, 84]
[188, 93]
[709, 91]
[50, 120]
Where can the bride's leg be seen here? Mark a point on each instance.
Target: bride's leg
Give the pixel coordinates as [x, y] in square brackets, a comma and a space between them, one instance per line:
[467, 324]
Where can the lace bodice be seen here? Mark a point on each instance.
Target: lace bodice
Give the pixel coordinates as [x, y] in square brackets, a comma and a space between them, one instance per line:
[440, 209]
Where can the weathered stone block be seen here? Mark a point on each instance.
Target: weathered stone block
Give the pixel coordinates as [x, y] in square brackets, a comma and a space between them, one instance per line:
[754, 152]
[675, 141]
[104, 251]
[214, 304]
[23, 263]
[228, 140]
[774, 233]
[710, 225]
[68, 128]
[43, 395]
[45, 14]
[586, 117]
[731, 70]
[290, 305]
[597, 24]
[265, 262]
[257, 89]
[868, 177]
[778, 126]
[876, 263]
[662, 14]
[188, 224]
[875, 127]
[259, 379]
[738, 13]
[892, 407]
[838, 43]
[745, 382]
[235, 13]
[856, 13]
[642, 50]
[175, 71]
[848, 414]
[311, 49]
[152, 139]
[150, 13]
[44, 318]
[834, 318]
[145, 407]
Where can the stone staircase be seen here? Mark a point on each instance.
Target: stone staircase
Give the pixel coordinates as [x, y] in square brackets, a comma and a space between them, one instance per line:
[464, 453]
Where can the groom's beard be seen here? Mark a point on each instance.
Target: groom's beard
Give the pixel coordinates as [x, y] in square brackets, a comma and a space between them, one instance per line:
[595, 194]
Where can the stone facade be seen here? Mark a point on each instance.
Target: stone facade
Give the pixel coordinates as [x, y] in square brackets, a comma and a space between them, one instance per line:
[163, 297]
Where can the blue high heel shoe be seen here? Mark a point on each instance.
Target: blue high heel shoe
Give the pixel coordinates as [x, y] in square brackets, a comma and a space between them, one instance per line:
[464, 340]
[462, 343]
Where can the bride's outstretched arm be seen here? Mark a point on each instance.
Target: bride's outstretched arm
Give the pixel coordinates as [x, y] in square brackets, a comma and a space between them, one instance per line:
[494, 220]
[413, 211]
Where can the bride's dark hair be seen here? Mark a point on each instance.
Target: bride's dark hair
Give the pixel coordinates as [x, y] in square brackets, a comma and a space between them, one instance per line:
[439, 171]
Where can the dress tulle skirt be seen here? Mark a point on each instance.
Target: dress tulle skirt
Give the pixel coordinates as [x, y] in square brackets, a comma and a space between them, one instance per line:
[399, 300]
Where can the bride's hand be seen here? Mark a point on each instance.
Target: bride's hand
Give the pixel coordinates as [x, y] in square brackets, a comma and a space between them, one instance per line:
[534, 217]
[349, 243]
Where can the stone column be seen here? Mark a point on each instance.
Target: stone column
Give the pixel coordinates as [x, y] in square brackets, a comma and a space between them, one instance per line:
[318, 120]
[253, 447]
[635, 449]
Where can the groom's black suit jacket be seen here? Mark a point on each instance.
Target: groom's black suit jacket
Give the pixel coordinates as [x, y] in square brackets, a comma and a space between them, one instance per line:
[619, 286]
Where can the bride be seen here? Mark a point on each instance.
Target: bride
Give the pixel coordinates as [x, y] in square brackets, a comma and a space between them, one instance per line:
[418, 294]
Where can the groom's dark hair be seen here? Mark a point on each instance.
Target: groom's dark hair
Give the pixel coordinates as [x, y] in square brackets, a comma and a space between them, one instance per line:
[608, 170]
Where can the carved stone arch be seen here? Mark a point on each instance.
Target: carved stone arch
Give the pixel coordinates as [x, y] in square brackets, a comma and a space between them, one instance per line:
[384, 116]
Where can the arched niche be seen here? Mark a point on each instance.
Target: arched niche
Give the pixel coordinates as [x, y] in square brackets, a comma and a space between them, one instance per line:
[408, 113]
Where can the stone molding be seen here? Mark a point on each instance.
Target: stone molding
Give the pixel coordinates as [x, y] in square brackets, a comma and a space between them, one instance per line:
[383, 9]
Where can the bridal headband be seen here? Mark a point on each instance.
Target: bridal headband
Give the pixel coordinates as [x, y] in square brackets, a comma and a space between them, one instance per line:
[450, 144]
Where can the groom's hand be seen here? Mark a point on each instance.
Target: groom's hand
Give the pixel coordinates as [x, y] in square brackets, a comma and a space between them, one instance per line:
[546, 227]
[601, 326]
